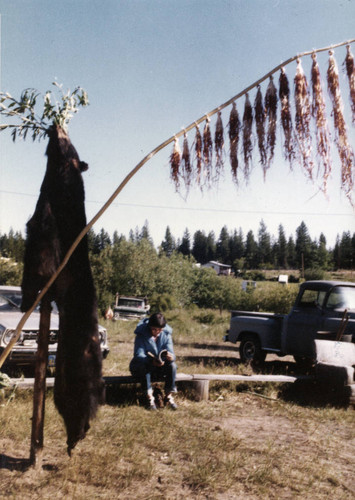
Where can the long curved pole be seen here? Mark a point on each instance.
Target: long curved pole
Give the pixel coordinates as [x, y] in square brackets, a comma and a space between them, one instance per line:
[114, 195]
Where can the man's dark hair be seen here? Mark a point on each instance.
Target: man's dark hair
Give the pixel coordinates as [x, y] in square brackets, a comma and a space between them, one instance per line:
[157, 320]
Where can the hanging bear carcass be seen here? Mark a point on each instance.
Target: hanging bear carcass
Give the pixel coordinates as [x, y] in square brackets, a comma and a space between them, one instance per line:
[58, 219]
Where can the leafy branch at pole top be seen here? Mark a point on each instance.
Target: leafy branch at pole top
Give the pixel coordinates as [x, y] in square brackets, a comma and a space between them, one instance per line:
[58, 109]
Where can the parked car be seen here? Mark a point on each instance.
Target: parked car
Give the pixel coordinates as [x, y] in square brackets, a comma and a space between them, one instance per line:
[130, 307]
[24, 351]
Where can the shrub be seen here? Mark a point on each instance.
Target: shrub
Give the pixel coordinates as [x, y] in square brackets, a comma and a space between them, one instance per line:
[10, 272]
[207, 318]
[315, 273]
[163, 302]
[268, 297]
[255, 275]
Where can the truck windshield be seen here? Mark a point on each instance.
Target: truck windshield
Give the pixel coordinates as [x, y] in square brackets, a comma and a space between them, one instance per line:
[130, 303]
[341, 297]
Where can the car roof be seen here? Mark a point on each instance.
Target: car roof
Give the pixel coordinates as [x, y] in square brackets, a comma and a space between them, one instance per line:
[9, 288]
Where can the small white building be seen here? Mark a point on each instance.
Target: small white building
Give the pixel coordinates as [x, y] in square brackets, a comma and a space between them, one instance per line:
[221, 269]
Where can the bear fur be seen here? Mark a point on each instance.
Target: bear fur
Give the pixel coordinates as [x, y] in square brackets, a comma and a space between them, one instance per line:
[58, 219]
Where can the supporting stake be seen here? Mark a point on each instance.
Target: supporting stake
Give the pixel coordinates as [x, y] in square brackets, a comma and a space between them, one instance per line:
[39, 392]
[342, 326]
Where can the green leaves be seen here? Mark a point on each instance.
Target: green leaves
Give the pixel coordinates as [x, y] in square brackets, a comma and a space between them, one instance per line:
[58, 109]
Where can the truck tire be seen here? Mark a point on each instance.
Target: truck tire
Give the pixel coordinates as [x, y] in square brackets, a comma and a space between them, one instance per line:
[250, 350]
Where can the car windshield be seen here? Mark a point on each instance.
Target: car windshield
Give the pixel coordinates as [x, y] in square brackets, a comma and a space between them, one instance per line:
[12, 300]
[341, 297]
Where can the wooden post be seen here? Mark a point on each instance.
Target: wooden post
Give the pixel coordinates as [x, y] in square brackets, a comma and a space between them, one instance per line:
[201, 389]
[39, 391]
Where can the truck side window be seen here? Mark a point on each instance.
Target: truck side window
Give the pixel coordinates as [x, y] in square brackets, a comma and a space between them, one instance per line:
[309, 298]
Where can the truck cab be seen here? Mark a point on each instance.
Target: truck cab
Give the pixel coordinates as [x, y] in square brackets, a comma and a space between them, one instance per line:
[317, 313]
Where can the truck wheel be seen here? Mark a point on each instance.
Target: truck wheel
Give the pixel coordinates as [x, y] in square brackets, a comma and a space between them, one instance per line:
[250, 350]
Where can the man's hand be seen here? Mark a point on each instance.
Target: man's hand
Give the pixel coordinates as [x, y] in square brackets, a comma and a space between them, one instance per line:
[156, 362]
[169, 356]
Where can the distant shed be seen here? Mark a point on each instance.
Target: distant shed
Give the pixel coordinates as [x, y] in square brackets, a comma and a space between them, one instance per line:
[283, 278]
[221, 269]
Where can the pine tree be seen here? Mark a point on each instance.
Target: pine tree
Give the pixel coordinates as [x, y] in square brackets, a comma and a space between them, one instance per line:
[264, 245]
[236, 245]
[346, 250]
[336, 253]
[282, 253]
[251, 251]
[144, 233]
[185, 245]
[223, 247]
[168, 244]
[291, 253]
[303, 247]
[199, 247]
[322, 253]
[210, 247]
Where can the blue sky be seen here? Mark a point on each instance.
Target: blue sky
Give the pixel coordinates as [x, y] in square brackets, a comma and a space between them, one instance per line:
[151, 68]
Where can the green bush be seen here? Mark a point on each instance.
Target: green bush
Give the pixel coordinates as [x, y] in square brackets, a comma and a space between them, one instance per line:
[255, 275]
[267, 297]
[163, 302]
[10, 272]
[315, 273]
[280, 301]
[207, 318]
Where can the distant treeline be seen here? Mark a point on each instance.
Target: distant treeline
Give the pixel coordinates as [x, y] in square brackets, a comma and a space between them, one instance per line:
[169, 277]
[242, 252]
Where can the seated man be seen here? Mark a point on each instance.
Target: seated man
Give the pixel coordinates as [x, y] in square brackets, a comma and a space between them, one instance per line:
[154, 335]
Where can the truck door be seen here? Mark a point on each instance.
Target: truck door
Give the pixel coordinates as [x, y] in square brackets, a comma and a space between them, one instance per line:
[302, 323]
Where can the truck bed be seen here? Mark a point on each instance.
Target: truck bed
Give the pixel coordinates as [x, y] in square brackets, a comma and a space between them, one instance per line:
[257, 314]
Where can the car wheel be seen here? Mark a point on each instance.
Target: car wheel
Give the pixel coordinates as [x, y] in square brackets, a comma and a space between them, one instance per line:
[250, 350]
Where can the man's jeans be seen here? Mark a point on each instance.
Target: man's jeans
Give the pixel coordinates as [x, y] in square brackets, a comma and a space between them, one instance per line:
[146, 373]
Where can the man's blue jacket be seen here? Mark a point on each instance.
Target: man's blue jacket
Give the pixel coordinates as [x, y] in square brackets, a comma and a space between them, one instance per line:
[144, 342]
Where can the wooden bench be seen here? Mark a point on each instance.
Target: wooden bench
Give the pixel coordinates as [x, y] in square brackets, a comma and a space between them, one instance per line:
[199, 383]
[335, 366]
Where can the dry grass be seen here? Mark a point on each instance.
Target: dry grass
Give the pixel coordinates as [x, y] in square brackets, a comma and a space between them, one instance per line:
[236, 445]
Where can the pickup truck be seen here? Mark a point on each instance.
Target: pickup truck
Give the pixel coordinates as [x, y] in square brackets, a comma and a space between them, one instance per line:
[320, 310]
[130, 308]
